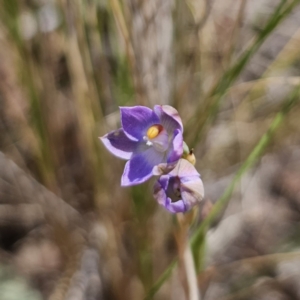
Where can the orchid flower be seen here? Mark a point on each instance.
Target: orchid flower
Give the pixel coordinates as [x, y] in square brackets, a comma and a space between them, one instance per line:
[181, 189]
[147, 139]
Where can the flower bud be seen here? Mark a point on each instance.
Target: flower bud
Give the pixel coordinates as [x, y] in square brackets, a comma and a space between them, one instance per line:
[188, 154]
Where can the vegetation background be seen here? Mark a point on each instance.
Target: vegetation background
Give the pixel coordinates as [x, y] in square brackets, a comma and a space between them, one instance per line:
[67, 228]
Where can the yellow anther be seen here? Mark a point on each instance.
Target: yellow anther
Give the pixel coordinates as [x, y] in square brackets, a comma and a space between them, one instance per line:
[154, 131]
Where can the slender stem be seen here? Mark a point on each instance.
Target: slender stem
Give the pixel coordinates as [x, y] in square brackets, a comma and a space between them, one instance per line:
[191, 275]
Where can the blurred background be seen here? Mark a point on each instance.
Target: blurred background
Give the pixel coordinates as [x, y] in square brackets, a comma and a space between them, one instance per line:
[67, 228]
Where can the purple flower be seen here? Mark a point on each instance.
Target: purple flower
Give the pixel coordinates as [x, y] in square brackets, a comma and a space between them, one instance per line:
[147, 138]
[181, 189]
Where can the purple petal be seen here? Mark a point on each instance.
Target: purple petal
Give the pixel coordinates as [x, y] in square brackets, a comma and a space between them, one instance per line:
[176, 148]
[161, 196]
[169, 117]
[184, 169]
[164, 181]
[192, 192]
[136, 120]
[159, 190]
[119, 144]
[161, 142]
[163, 168]
[175, 207]
[139, 168]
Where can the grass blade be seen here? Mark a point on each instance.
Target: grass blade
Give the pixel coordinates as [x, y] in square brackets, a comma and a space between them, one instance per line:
[214, 99]
[167, 273]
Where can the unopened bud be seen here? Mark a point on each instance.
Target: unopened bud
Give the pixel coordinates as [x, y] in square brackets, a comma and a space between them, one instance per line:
[191, 157]
[186, 149]
[188, 154]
